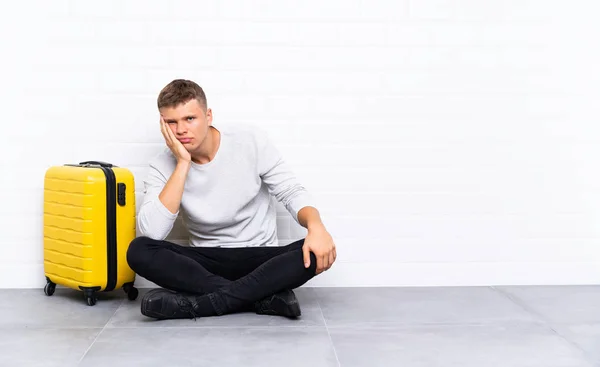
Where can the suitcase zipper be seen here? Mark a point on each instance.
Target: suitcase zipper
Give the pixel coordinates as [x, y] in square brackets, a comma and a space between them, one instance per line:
[111, 228]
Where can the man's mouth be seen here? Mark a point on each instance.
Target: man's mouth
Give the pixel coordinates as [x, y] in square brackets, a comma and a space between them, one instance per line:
[184, 141]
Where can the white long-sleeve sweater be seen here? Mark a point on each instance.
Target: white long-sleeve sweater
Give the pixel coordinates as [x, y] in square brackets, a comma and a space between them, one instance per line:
[228, 201]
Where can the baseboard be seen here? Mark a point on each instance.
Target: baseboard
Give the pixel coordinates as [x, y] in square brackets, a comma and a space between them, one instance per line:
[392, 274]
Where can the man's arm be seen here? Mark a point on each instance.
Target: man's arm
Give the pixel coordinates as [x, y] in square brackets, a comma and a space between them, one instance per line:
[163, 199]
[286, 188]
[309, 218]
[317, 241]
[154, 219]
[279, 178]
[171, 194]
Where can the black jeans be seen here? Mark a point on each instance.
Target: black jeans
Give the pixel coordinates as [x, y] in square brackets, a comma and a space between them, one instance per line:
[228, 279]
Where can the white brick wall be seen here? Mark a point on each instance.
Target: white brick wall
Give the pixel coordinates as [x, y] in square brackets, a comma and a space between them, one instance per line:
[448, 142]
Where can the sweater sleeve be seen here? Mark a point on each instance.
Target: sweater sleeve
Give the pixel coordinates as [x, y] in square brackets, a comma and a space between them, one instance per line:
[279, 177]
[154, 220]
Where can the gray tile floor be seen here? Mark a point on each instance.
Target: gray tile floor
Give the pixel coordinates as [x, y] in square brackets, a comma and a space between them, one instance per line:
[455, 326]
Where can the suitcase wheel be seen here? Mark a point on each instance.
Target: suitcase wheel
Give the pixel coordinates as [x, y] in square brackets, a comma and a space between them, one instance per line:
[90, 296]
[49, 288]
[91, 301]
[131, 291]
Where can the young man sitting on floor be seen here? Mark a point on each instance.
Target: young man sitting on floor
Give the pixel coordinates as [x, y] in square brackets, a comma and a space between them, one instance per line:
[222, 181]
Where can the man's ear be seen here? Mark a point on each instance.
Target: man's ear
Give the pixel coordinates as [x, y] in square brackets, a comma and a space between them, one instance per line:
[209, 116]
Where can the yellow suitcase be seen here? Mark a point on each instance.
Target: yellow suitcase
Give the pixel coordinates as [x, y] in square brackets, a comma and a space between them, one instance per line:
[89, 222]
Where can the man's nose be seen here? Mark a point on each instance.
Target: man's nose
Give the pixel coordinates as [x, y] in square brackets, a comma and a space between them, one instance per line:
[181, 129]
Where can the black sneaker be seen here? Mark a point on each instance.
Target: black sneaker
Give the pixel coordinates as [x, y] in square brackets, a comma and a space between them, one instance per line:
[165, 304]
[283, 303]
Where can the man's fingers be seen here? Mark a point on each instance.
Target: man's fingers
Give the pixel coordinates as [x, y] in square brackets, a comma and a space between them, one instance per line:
[306, 252]
[167, 133]
[172, 138]
[170, 132]
[331, 258]
[321, 263]
[163, 130]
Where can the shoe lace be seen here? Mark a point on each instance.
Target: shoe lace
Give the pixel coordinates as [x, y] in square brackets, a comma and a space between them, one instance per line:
[187, 306]
[264, 304]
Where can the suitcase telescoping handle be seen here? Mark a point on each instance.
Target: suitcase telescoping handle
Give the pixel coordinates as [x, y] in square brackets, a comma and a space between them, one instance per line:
[103, 164]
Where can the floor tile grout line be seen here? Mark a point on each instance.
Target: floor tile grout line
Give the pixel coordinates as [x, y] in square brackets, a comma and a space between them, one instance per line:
[268, 327]
[546, 322]
[100, 333]
[328, 333]
[515, 300]
[90, 347]
[113, 315]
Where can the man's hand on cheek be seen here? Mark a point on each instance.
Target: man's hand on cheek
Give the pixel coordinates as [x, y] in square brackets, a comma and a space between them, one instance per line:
[175, 145]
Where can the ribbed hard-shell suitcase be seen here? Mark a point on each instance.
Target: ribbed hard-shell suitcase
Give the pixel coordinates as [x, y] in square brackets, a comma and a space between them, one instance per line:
[89, 222]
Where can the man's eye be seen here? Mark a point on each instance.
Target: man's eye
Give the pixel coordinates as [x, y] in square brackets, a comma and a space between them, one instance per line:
[190, 118]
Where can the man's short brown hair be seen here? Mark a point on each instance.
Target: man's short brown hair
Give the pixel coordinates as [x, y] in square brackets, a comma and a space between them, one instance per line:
[181, 91]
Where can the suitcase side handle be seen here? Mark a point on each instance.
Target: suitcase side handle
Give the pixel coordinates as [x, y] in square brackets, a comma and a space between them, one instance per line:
[102, 164]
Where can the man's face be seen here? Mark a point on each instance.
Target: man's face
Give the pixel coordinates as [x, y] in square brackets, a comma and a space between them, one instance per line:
[188, 122]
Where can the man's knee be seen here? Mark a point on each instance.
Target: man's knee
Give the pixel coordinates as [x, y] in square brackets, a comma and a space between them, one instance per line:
[136, 253]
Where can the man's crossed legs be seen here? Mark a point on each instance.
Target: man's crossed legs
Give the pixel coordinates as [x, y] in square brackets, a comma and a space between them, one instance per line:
[209, 281]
